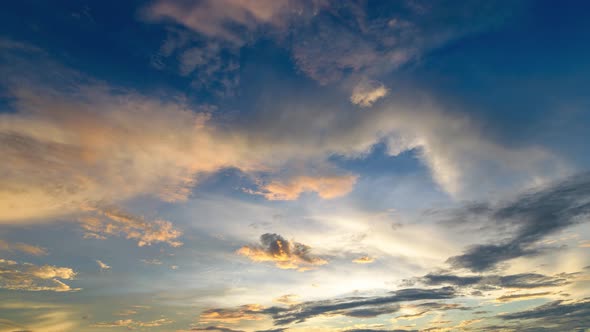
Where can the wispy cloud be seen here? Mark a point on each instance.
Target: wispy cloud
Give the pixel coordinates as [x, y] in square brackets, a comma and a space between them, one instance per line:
[22, 247]
[533, 216]
[356, 307]
[327, 187]
[113, 221]
[232, 315]
[133, 324]
[364, 260]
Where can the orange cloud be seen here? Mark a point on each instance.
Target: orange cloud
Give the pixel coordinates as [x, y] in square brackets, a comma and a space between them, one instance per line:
[326, 187]
[117, 222]
[234, 315]
[364, 260]
[30, 277]
[22, 247]
[285, 254]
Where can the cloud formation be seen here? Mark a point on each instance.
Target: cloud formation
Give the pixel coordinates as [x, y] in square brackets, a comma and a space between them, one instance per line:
[22, 247]
[102, 265]
[356, 307]
[133, 324]
[366, 93]
[283, 253]
[113, 221]
[533, 216]
[30, 277]
[364, 260]
[232, 315]
[327, 187]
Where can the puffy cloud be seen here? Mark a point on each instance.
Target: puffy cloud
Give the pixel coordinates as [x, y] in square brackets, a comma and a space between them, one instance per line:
[364, 260]
[117, 222]
[232, 315]
[327, 187]
[285, 254]
[366, 93]
[30, 277]
[22, 247]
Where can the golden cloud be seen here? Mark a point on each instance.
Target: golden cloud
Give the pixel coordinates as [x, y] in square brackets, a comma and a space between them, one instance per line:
[117, 222]
[363, 260]
[285, 254]
[22, 247]
[327, 187]
[233, 315]
[30, 277]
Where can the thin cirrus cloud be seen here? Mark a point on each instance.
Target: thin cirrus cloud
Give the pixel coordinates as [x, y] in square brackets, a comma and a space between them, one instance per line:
[111, 221]
[22, 247]
[283, 253]
[232, 315]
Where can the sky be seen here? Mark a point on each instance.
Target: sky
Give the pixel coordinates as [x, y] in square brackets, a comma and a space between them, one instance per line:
[294, 165]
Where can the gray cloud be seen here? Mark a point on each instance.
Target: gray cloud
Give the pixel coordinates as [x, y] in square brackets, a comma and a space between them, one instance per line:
[521, 280]
[357, 306]
[553, 316]
[215, 329]
[284, 253]
[534, 215]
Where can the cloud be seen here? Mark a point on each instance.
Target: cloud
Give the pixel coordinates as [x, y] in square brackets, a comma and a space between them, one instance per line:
[215, 329]
[553, 316]
[521, 296]
[533, 216]
[327, 187]
[133, 324]
[102, 265]
[285, 254]
[215, 18]
[374, 330]
[366, 93]
[520, 281]
[232, 315]
[116, 222]
[364, 260]
[286, 299]
[22, 247]
[95, 145]
[356, 307]
[30, 277]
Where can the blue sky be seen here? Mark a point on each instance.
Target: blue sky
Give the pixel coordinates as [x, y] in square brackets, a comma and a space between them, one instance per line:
[294, 165]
